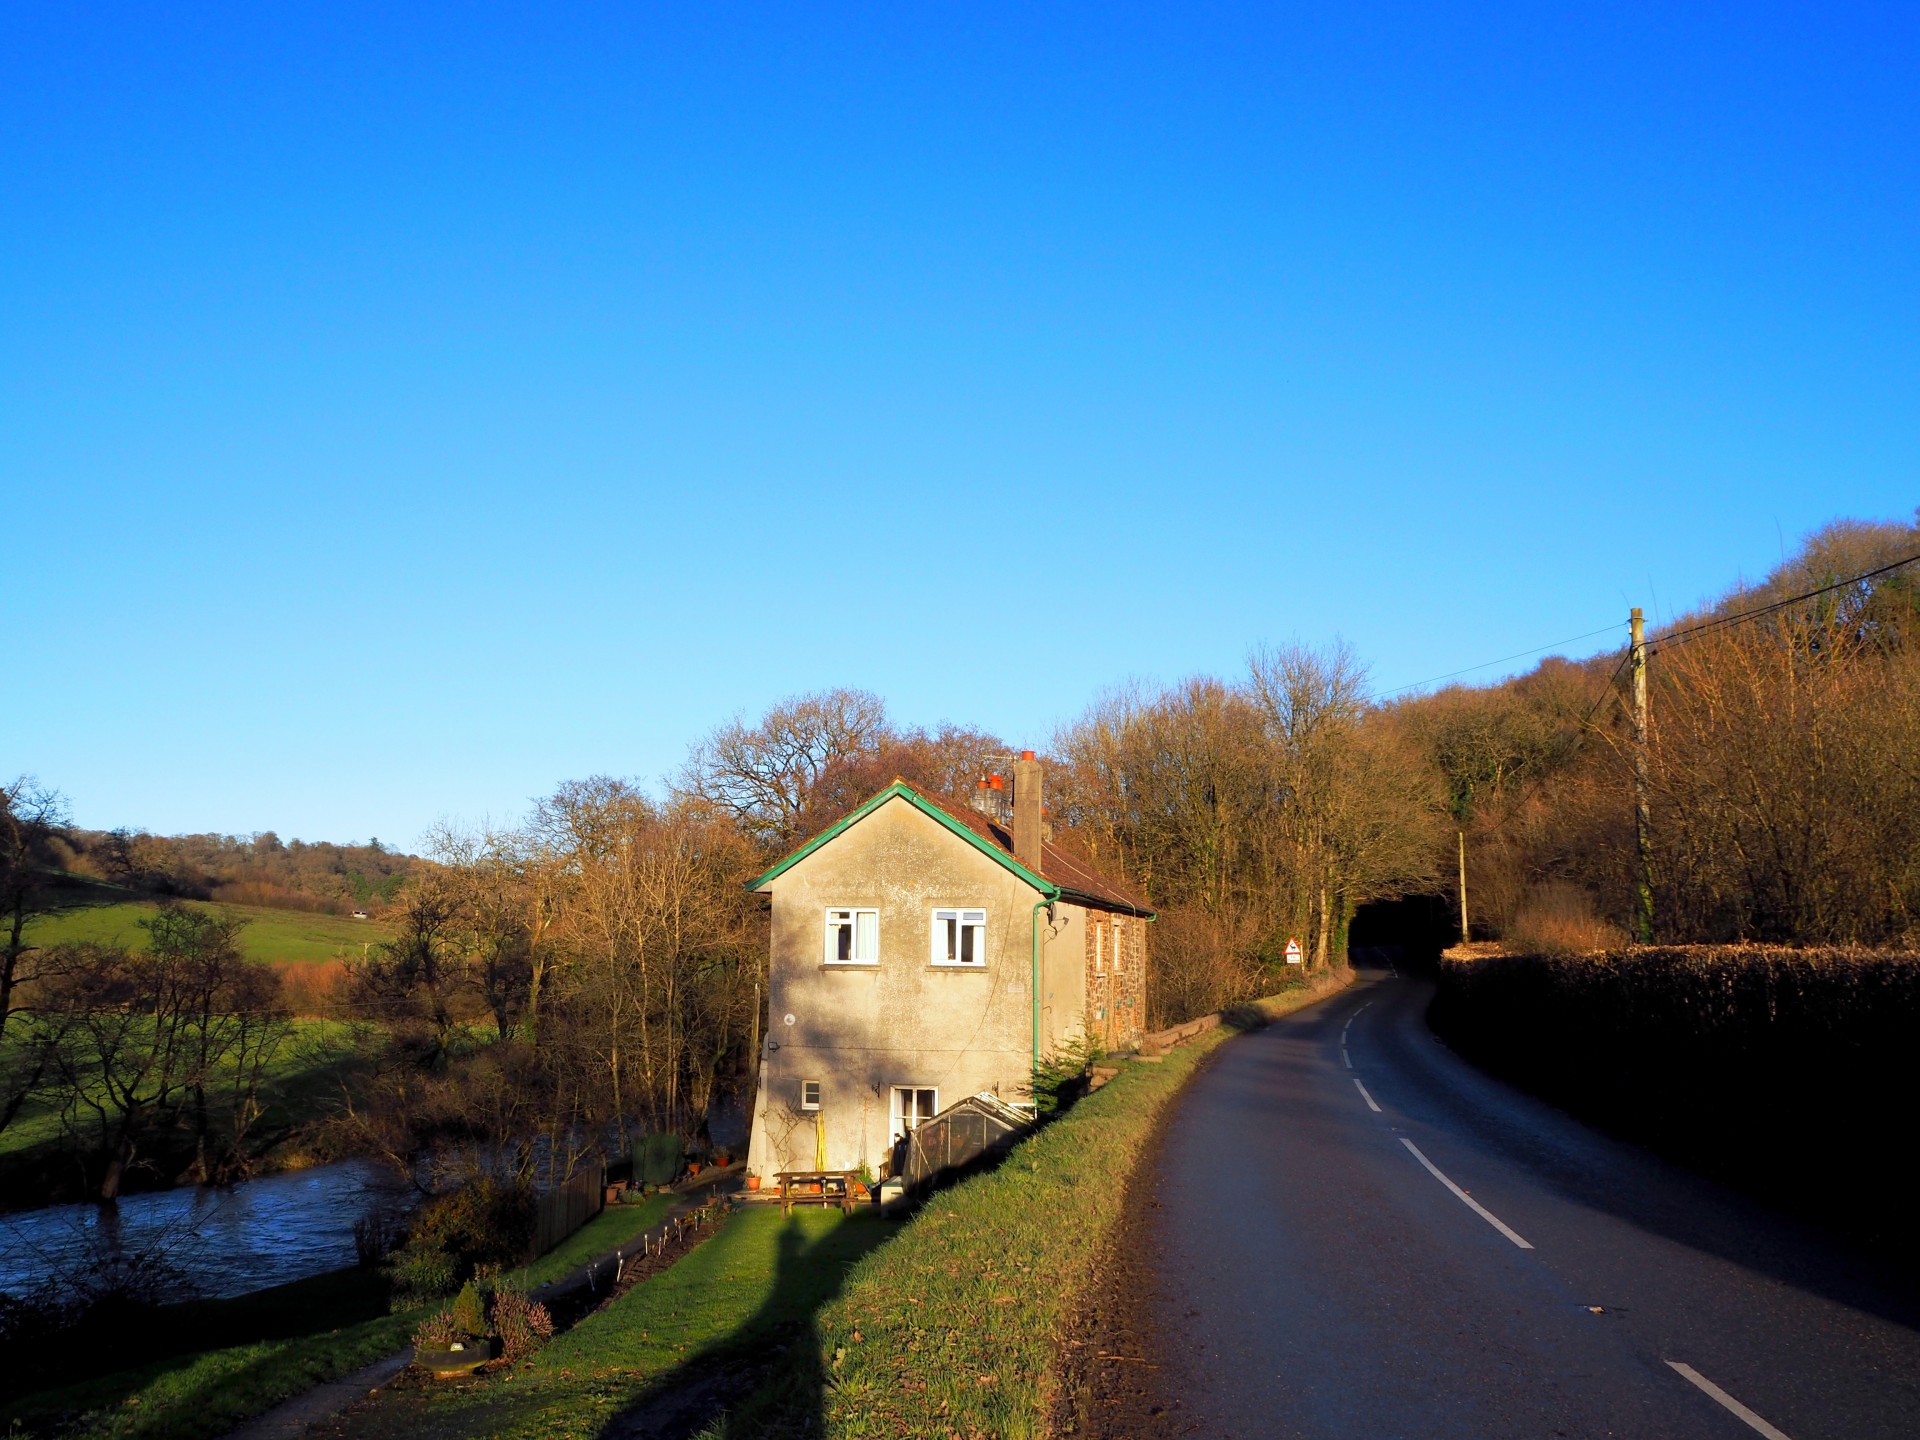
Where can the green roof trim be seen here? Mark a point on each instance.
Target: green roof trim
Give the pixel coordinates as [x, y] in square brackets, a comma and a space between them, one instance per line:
[903, 791]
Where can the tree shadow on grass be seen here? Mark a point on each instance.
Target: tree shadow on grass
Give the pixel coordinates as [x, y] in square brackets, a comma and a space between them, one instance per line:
[768, 1377]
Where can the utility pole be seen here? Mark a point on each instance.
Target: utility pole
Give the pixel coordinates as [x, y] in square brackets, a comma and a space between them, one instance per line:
[1642, 817]
[1465, 937]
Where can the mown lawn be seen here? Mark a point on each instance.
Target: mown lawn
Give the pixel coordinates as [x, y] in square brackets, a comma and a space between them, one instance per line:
[757, 1283]
[611, 1229]
[279, 937]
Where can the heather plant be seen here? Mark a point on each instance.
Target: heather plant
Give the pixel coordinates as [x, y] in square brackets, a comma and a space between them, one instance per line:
[523, 1325]
[439, 1331]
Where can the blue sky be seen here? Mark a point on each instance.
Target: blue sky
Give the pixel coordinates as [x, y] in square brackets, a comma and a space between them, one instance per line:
[401, 412]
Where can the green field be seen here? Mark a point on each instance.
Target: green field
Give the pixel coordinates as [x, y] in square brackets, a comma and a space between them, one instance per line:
[281, 937]
[301, 1083]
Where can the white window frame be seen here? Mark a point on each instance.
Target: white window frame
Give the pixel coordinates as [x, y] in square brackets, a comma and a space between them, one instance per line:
[959, 915]
[895, 1115]
[806, 1085]
[830, 950]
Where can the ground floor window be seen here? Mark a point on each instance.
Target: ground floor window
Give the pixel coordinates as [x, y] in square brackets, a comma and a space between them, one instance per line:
[809, 1094]
[911, 1105]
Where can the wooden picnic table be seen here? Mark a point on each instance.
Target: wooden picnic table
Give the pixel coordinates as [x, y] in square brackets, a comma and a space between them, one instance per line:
[816, 1187]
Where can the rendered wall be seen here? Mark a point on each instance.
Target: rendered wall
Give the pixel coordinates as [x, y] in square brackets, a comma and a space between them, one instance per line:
[862, 1030]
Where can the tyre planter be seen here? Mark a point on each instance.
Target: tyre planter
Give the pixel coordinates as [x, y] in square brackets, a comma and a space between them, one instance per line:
[448, 1363]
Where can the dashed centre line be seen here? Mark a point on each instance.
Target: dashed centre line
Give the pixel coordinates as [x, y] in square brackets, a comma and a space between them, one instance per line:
[1721, 1397]
[1465, 1199]
[1365, 1096]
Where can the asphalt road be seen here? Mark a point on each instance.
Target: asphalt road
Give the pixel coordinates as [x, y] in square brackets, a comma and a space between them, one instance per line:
[1319, 1273]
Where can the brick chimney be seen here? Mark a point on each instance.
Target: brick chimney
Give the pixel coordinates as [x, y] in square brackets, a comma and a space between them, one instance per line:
[1028, 809]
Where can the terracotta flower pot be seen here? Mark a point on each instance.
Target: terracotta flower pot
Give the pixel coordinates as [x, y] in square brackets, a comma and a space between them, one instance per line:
[753, 1182]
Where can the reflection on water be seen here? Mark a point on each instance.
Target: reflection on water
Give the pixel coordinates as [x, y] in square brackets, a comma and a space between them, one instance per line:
[247, 1237]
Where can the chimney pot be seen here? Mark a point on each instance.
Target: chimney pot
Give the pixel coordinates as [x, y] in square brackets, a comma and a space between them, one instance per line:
[1026, 754]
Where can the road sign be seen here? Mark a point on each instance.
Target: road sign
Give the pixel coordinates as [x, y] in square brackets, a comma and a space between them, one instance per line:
[1293, 951]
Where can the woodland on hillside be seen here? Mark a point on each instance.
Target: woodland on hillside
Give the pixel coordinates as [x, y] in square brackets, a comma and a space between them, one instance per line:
[597, 972]
[1783, 786]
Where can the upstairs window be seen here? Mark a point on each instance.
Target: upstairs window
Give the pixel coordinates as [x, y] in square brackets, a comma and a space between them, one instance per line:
[853, 937]
[809, 1094]
[960, 938]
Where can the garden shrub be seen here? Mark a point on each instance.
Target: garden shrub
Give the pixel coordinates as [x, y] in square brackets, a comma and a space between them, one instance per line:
[454, 1236]
[523, 1325]
[439, 1331]
[469, 1311]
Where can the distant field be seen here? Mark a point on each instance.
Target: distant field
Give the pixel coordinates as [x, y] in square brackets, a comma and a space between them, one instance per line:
[281, 937]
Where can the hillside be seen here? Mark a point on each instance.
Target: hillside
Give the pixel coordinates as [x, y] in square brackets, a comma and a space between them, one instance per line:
[277, 937]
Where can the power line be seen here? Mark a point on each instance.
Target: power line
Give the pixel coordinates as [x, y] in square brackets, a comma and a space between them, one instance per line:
[1606, 691]
[1489, 664]
[1676, 637]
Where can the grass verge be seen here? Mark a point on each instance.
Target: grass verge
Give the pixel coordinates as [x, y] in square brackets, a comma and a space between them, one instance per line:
[953, 1329]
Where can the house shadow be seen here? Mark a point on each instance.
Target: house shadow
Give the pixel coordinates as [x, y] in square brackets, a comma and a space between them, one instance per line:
[768, 1378]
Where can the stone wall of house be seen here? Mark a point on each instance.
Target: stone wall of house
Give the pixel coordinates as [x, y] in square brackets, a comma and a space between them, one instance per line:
[1116, 971]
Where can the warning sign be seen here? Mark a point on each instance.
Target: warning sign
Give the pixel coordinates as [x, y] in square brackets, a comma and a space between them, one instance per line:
[1293, 951]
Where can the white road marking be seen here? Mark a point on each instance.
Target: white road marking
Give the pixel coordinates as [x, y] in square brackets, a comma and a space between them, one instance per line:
[1364, 1096]
[1466, 1199]
[1713, 1391]
[1346, 1059]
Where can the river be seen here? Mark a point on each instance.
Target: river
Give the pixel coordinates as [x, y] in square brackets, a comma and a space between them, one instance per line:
[229, 1239]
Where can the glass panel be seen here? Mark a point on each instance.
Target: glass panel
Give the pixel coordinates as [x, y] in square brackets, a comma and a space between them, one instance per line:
[867, 943]
[967, 952]
[842, 940]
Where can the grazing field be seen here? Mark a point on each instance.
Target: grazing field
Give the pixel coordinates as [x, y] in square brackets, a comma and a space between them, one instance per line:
[279, 937]
[37, 1159]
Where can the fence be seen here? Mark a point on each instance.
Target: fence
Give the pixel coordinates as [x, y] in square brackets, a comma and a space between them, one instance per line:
[561, 1211]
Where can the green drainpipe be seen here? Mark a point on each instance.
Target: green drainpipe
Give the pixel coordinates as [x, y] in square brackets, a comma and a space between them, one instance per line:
[1048, 901]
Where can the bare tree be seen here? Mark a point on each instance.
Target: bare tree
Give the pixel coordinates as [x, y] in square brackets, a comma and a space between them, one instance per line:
[762, 774]
[30, 818]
